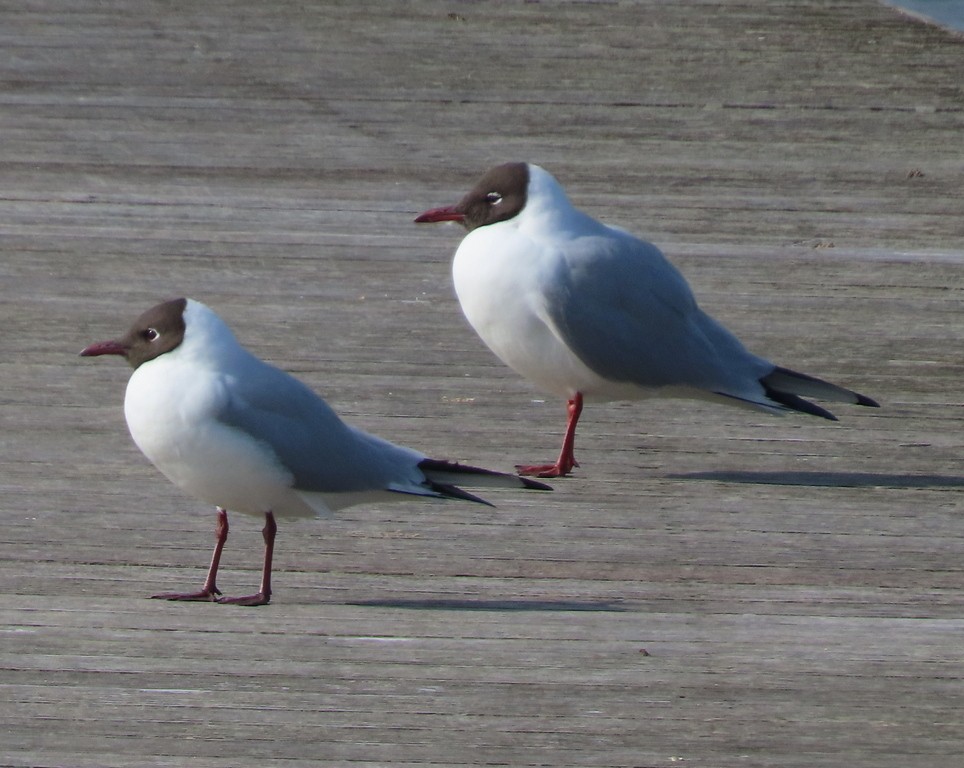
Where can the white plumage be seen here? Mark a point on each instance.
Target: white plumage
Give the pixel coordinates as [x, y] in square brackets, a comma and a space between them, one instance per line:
[243, 435]
[588, 311]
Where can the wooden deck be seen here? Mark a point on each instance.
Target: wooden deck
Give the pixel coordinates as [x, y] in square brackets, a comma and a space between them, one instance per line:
[713, 588]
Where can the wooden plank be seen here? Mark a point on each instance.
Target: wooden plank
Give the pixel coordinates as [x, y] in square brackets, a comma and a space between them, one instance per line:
[714, 587]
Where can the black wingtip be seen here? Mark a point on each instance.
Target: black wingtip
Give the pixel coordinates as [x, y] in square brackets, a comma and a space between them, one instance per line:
[500, 478]
[454, 492]
[534, 485]
[797, 403]
[793, 383]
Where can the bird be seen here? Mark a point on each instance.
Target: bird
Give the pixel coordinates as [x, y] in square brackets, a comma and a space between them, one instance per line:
[243, 435]
[587, 311]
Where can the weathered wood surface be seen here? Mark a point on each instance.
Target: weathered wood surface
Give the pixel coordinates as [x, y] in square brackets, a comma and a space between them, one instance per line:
[713, 588]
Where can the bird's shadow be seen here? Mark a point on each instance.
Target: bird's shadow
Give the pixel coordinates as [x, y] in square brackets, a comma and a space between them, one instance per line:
[826, 479]
[447, 604]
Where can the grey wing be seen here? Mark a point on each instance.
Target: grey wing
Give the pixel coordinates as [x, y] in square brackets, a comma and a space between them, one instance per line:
[322, 453]
[630, 316]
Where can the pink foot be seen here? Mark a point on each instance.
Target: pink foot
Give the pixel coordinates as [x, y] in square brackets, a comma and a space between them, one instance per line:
[567, 459]
[209, 592]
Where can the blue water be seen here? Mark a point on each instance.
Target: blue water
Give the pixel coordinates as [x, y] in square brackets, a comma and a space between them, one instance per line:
[946, 13]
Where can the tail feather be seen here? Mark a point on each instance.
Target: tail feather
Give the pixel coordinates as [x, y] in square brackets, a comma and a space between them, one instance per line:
[786, 387]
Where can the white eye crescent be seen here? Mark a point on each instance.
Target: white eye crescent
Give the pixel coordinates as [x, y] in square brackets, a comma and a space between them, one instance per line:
[493, 198]
[151, 334]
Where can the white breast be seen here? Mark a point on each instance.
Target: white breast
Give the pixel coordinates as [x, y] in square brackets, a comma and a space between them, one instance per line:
[170, 408]
[500, 278]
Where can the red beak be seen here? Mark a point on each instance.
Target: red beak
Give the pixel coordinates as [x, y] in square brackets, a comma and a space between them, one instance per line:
[104, 348]
[448, 213]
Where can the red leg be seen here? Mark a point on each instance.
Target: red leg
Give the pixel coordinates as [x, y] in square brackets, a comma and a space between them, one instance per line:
[210, 590]
[264, 594]
[567, 459]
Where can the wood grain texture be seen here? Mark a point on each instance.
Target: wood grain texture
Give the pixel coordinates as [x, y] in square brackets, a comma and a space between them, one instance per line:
[713, 588]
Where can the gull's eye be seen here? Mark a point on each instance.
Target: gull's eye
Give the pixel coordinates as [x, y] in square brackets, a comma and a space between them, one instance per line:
[151, 334]
[493, 198]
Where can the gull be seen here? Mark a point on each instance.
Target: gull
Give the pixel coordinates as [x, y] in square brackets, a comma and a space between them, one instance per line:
[587, 311]
[243, 435]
